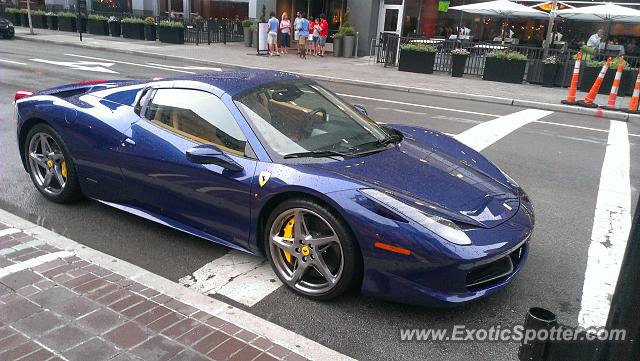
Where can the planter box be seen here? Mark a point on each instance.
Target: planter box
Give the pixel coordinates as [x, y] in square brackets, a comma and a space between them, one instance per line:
[458, 63]
[171, 35]
[67, 24]
[417, 61]
[549, 75]
[52, 22]
[246, 32]
[133, 31]
[589, 75]
[348, 43]
[98, 27]
[337, 46]
[505, 71]
[24, 20]
[114, 29]
[150, 32]
[534, 71]
[39, 21]
[16, 19]
[82, 25]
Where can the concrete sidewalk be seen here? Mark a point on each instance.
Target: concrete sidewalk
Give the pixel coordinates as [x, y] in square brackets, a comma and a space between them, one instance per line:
[60, 300]
[344, 70]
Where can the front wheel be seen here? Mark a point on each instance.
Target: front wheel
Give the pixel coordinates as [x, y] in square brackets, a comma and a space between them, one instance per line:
[50, 166]
[311, 250]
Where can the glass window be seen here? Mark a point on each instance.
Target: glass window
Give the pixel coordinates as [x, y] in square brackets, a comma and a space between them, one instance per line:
[299, 117]
[197, 115]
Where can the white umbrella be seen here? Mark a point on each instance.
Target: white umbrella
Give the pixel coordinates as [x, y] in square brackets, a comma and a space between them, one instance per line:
[606, 12]
[502, 8]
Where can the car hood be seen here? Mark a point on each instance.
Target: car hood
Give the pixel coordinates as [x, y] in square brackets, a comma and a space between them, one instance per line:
[431, 179]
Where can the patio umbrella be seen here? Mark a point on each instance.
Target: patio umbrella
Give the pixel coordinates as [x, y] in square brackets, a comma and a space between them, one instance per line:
[608, 12]
[503, 9]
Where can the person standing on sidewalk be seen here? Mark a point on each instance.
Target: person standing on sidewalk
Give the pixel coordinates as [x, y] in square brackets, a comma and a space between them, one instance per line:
[285, 31]
[272, 36]
[296, 22]
[324, 32]
[316, 36]
[303, 34]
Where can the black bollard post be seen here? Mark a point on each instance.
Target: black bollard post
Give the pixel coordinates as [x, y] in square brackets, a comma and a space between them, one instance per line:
[537, 319]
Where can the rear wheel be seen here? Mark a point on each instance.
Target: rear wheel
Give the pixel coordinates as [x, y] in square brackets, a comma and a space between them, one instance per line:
[50, 166]
[311, 250]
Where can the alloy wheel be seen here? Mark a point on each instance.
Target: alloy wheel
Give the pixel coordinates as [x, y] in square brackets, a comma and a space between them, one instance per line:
[47, 164]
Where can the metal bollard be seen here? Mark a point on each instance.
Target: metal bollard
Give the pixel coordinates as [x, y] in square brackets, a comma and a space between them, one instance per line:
[537, 319]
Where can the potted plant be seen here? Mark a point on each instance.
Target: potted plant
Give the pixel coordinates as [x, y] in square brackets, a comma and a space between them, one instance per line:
[114, 26]
[67, 21]
[348, 35]
[337, 43]
[39, 19]
[549, 71]
[626, 81]
[505, 66]
[254, 34]
[417, 58]
[458, 61]
[24, 17]
[150, 28]
[246, 28]
[171, 32]
[98, 25]
[133, 28]
[52, 21]
[13, 14]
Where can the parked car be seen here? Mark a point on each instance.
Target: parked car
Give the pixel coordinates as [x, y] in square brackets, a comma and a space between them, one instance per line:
[6, 29]
[274, 164]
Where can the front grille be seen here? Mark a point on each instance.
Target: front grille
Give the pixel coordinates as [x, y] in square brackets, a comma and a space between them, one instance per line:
[494, 272]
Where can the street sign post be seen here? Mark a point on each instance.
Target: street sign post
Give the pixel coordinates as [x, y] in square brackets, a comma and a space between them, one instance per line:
[81, 10]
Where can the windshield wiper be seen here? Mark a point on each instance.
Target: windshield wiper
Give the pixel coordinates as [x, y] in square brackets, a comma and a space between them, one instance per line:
[316, 154]
[391, 139]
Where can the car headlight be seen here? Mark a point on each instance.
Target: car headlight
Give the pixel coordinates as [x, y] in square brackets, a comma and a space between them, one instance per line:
[438, 225]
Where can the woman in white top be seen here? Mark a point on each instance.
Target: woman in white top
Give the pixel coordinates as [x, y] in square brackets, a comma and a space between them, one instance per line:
[285, 31]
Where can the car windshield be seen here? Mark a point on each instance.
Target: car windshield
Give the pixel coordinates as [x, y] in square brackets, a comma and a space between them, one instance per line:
[300, 119]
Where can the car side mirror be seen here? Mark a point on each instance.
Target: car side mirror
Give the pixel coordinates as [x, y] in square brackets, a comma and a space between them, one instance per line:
[361, 109]
[210, 154]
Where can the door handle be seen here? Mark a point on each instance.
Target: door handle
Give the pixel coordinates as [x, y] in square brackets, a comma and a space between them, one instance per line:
[128, 142]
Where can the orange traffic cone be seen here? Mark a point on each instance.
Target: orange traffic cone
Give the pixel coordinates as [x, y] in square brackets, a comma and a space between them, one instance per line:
[591, 96]
[571, 97]
[633, 103]
[613, 94]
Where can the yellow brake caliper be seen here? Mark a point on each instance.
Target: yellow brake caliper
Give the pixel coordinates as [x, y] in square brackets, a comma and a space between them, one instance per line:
[63, 169]
[288, 233]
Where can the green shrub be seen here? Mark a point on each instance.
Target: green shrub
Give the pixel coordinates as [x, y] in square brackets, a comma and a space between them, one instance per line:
[38, 13]
[149, 20]
[338, 35]
[615, 61]
[254, 27]
[247, 23]
[507, 55]
[97, 17]
[170, 24]
[24, 11]
[12, 11]
[348, 30]
[424, 48]
[66, 14]
[132, 21]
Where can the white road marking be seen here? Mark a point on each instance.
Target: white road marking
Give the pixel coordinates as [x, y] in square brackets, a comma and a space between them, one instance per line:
[8, 231]
[130, 63]
[484, 134]
[611, 226]
[12, 62]
[186, 67]
[417, 105]
[30, 263]
[240, 276]
[81, 65]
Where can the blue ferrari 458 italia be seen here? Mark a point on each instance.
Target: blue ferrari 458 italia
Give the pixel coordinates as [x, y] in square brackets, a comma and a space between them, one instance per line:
[274, 164]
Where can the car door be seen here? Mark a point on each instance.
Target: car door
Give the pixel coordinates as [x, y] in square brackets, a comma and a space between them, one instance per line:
[209, 197]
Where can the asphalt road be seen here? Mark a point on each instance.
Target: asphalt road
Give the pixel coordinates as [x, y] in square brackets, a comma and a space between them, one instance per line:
[557, 159]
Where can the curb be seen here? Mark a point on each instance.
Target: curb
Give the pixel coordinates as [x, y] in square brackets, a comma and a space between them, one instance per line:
[614, 115]
[291, 340]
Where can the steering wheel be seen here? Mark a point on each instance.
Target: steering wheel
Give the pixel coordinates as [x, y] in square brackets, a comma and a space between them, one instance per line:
[309, 121]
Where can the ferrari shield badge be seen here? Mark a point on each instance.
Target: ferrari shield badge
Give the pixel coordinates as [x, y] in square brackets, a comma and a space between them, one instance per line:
[263, 178]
